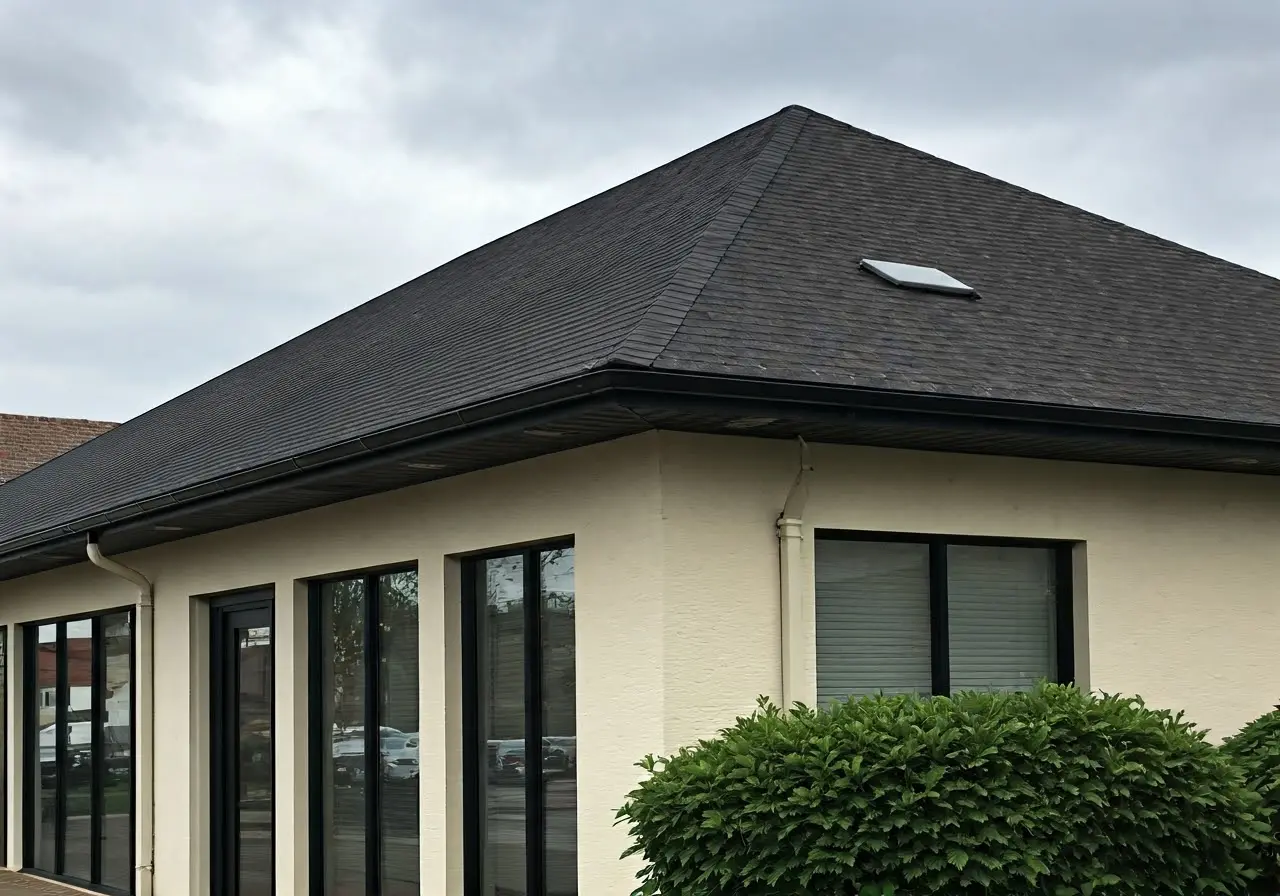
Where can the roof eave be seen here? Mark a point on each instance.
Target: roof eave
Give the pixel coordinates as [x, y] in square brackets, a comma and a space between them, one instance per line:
[608, 403]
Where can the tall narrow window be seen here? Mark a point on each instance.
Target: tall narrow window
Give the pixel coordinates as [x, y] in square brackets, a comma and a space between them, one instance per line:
[79, 791]
[365, 735]
[520, 722]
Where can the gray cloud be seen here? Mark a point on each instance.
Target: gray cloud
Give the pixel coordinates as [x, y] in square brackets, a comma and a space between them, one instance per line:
[183, 186]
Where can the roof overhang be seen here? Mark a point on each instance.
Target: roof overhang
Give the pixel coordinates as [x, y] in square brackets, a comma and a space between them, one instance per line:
[607, 404]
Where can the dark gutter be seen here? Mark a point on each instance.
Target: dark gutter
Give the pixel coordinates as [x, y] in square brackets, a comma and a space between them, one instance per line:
[697, 393]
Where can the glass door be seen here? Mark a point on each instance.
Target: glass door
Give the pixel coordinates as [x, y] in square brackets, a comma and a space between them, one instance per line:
[79, 750]
[242, 680]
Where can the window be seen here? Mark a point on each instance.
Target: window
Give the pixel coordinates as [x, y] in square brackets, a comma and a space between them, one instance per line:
[365, 747]
[933, 615]
[520, 684]
[79, 750]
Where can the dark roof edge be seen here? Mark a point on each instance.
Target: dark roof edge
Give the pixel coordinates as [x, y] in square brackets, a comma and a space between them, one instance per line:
[660, 321]
[732, 394]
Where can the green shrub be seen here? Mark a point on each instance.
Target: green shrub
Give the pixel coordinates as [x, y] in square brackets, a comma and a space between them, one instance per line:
[1256, 749]
[1049, 792]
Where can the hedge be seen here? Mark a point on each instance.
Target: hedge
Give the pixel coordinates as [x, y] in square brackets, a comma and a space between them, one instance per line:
[1256, 749]
[1048, 792]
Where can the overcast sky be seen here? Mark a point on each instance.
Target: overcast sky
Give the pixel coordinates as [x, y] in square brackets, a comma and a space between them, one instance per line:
[184, 185]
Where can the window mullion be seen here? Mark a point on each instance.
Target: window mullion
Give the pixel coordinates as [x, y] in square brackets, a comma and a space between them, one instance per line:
[1064, 613]
[939, 633]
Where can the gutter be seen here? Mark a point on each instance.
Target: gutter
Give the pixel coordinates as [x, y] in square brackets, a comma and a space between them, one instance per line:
[640, 391]
[144, 717]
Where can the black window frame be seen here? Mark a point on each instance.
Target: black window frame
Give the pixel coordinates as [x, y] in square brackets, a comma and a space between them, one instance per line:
[223, 742]
[317, 755]
[473, 734]
[939, 634]
[30, 747]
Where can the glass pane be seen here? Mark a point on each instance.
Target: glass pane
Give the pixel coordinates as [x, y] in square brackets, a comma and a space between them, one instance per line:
[77, 767]
[45, 696]
[343, 607]
[398, 673]
[255, 677]
[873, 619]
[117, 747]
[500, 593]
[1000, 608]
[559, 721]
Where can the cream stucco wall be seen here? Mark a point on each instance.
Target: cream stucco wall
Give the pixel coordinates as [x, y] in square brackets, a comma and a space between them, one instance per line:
[1180, 570]
[678, 621]
[606, 497]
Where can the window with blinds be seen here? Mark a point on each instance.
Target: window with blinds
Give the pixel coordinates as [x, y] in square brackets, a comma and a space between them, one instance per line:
[926, 614]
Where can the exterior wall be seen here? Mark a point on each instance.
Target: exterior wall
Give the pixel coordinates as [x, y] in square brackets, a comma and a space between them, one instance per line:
[1180, 568]
[678, 616]
[605, 496]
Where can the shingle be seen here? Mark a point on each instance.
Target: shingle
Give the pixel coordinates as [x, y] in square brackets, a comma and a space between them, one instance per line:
[1074, 310]
[738, 259]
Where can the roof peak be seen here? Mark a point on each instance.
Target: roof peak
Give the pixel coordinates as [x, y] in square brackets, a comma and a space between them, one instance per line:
[660, 321]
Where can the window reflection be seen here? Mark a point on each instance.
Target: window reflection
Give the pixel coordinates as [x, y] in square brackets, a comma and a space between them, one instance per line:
[80, 710]
[398, 712]
[342, 609]
[361, 620]
[76, 748]
[502, 682]
[559, 713]
[509, 621]
[46, 776]
[117, 744]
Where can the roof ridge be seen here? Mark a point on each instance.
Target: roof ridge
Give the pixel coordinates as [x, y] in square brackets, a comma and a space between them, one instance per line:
[664, 316]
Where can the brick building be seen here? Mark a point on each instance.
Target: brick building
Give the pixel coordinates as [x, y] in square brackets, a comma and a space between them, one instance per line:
[26, 442]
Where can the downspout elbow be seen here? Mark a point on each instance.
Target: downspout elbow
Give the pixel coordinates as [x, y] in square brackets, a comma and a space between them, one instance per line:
[798, 497]
[100, 560]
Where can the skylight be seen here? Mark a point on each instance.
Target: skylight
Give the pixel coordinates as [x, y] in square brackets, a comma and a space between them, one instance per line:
[913, 276]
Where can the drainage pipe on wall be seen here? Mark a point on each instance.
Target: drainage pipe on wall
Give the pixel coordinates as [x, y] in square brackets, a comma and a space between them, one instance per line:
[798, 683]
[143, 692]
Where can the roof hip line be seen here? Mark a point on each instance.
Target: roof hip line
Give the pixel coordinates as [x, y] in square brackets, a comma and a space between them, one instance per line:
[664, 316]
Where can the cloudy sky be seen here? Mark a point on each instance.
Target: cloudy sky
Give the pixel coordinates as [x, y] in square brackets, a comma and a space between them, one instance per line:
[184, 185]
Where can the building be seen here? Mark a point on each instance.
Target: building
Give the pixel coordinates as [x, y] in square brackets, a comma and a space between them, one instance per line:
[599, 484]
[26, 442]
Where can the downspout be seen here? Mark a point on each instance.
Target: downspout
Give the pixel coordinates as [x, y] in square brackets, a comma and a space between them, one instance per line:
[798, 683]
[143, 690]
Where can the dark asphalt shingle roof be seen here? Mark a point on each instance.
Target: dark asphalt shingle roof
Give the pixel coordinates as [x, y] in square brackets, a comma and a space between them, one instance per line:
[740, 258]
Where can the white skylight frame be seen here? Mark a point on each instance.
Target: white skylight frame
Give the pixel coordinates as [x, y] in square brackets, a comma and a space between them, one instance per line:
[914, 276]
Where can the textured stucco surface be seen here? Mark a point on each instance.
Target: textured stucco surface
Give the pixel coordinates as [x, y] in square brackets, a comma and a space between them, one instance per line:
[678, 618]
[606, 497]
[1180, 568]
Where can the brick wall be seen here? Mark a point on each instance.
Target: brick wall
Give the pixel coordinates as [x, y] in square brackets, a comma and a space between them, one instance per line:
[27, 442]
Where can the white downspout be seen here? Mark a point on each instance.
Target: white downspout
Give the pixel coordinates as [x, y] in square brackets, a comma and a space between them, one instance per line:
[798, 681]
[143, 691]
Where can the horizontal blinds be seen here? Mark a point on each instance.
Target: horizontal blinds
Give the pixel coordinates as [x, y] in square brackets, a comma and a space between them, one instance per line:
[872, 605]
[1000, 609]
